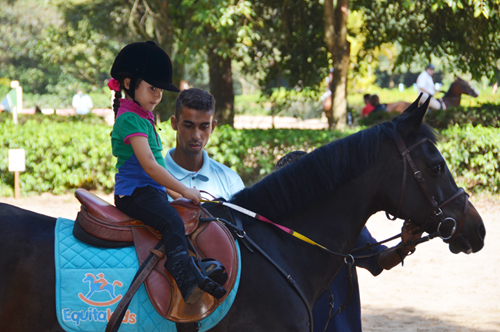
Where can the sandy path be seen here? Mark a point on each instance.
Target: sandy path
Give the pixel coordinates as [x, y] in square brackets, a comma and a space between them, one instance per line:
[435, 291]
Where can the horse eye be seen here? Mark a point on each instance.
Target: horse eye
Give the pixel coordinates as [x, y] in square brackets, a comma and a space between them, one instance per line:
[437, 168]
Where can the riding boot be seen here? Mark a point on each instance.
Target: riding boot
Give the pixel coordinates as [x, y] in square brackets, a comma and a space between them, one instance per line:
[190, 280]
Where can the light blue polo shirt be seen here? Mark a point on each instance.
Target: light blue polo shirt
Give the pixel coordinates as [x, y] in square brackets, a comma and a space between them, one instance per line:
[213, 177]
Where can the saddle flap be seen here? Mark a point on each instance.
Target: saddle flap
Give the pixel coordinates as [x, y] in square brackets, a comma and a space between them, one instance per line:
[210, 240]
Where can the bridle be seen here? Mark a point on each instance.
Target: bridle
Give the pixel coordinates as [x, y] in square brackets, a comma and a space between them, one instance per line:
[437, 208]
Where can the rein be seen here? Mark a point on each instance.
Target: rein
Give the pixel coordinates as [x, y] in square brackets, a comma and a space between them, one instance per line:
[238, 230]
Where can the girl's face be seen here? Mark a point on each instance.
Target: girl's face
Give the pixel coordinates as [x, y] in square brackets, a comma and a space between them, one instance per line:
[146, 95]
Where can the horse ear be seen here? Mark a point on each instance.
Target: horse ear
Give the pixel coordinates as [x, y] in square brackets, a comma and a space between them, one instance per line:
[412, 122]
[414, 105]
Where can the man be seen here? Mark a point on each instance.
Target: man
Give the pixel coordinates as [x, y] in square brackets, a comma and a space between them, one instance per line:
[82, 103]
[425, 85]
[188, 162]
[377, 260]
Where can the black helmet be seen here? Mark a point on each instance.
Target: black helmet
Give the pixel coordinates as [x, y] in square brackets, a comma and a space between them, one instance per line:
[431, 66]
[146, 61]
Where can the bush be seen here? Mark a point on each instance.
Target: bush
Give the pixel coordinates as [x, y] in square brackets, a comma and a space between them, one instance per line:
[472, 154]
[487, 115]
[62, 156]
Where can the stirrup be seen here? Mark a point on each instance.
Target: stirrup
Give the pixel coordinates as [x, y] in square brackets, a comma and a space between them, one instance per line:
[205, 283]
[213, 269]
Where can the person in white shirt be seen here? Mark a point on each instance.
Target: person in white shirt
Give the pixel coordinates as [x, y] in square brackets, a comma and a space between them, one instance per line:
[425, 85]
[82, 103]
[188, 162]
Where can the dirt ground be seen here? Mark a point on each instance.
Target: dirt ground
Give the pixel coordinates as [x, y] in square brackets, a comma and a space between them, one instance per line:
[434, 291]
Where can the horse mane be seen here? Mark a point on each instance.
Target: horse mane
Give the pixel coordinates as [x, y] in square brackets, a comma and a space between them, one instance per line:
[314, 176]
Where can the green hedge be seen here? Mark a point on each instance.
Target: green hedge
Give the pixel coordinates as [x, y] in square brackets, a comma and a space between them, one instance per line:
[75, 153]
[472, 154]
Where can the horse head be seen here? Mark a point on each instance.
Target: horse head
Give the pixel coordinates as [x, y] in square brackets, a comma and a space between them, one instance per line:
[464, 87]
[429, 195]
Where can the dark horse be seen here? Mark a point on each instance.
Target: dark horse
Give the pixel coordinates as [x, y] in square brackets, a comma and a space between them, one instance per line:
[450, 98]
[327, 196]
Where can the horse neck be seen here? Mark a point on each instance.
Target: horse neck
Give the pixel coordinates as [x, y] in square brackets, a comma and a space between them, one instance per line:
[453, 96]
[335, 222]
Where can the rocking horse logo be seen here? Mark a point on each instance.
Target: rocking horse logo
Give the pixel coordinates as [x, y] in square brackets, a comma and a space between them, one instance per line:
[100, 284]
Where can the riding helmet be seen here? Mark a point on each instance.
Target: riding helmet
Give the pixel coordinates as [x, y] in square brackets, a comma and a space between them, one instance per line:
[147, 61]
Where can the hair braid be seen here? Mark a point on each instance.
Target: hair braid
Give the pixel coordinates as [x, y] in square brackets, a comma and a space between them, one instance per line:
[116, 102]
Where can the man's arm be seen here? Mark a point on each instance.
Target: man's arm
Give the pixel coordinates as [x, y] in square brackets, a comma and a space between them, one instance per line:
[390, 258]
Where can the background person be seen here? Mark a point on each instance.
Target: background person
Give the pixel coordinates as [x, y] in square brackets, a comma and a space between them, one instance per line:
[188, 162]
[368, 106]
[377, 106]
[350, 319]
[82, 103]
[425, 85]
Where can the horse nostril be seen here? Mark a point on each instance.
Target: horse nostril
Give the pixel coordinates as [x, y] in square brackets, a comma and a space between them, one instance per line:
[481, 231]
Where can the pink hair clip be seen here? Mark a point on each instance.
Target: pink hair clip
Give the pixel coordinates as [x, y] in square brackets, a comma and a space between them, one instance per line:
[114, 85]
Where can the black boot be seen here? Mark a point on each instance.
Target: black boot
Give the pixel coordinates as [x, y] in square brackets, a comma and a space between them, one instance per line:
[191, 281]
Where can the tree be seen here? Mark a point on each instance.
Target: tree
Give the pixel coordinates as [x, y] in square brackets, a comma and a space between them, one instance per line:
[464, 34]
[340, 48]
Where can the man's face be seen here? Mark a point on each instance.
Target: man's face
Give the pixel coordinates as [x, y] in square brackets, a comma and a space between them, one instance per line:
[430, 71]
[193, 130]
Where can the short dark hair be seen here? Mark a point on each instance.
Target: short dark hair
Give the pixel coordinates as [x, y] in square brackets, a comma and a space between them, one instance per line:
[374, 100]
[196, 99]
[366, 96]
[290, 158]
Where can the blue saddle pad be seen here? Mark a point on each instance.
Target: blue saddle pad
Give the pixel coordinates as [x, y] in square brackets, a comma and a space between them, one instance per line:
[91, 281]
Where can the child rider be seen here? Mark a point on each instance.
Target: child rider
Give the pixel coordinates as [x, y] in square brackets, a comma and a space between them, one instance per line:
[143, 70]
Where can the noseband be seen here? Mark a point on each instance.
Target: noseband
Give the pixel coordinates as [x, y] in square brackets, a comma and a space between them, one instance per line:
[437, 208]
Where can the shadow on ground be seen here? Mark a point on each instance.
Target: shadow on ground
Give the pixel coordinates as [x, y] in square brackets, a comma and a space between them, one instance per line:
[411, 320]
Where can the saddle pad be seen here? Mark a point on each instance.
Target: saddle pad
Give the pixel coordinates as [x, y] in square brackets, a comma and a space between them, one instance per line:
[90, 282]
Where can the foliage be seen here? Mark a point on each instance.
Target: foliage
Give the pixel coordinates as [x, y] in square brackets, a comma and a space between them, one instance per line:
[253, 153]
[473, 155]
[464, 34]
[290, 48]
[303, 104]
[65, 153]
[60, 156]
[486, 115]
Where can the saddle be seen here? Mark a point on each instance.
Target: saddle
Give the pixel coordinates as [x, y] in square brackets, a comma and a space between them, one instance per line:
[102, 224]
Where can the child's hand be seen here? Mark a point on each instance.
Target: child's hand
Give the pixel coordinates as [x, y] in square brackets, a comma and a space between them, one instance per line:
[192, 194]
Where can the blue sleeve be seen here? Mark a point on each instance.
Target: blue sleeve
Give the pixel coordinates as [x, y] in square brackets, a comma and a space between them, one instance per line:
[368, 263]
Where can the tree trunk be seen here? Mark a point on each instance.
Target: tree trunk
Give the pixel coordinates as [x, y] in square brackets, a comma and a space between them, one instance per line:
[221, 87]
[339, 47]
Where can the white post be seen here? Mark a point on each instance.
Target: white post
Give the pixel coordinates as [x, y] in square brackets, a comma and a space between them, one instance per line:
[19, 99]
[17, 163]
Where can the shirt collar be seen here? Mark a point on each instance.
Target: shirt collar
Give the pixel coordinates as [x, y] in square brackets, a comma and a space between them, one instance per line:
[180, 173]
[127, 105]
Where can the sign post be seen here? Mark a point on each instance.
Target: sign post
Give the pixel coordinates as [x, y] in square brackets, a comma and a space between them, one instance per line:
[17, 164]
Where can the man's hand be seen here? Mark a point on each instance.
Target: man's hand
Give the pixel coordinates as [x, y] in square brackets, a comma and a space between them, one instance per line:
[409, 232]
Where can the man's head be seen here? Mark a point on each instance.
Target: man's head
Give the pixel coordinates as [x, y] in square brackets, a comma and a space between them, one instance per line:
[374, 100]
[430, 69]
[193, 120]
[290, 158]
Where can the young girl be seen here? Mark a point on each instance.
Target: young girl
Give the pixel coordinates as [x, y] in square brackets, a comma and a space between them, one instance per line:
[143, 70]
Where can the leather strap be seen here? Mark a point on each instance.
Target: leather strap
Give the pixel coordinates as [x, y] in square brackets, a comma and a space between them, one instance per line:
[188, 327]
[116, 318]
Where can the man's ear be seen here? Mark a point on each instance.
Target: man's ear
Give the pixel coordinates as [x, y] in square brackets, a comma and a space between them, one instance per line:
[173, 122]
[126, 83]
[214, 123]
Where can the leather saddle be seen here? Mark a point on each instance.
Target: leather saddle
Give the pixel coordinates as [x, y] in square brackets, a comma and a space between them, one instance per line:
[102, 224]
